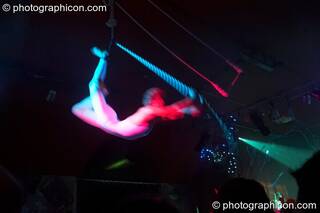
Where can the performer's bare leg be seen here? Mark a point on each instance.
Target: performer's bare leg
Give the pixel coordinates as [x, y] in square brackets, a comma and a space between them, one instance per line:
[94, 109]
[84, 111]
[101, 69]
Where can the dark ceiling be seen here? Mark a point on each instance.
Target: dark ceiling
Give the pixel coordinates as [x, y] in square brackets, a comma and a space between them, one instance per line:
[43, 52]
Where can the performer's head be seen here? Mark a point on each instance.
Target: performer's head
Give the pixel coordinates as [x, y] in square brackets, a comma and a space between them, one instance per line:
[153, 97]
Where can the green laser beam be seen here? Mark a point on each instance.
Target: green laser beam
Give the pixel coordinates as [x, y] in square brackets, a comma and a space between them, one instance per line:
[291, 157]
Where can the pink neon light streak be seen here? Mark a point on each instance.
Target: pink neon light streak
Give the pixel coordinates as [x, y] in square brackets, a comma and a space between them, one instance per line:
[216, 86]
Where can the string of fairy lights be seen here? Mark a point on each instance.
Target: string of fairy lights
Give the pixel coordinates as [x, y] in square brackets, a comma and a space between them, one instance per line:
[223, 154]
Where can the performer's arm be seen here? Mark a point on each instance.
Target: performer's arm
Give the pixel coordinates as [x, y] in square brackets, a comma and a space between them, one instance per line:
[183, 103]
[179, 109]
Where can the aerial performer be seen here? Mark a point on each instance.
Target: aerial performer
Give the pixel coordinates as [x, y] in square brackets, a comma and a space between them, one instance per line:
[96, 111]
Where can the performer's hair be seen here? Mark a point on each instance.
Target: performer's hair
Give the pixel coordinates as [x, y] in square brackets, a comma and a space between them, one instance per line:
[149, 93]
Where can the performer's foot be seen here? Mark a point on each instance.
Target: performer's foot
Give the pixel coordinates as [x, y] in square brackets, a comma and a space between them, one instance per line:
[99, 53]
